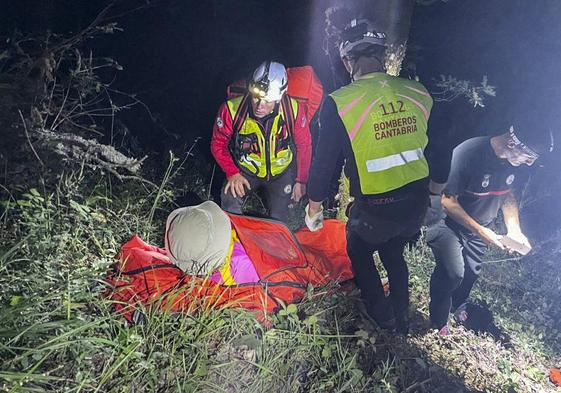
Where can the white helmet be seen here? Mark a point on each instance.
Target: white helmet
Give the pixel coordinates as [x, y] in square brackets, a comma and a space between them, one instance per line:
[359, 37]
[269, 81]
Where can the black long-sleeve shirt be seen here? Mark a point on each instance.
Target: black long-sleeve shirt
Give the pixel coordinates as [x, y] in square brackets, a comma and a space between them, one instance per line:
[334, 142]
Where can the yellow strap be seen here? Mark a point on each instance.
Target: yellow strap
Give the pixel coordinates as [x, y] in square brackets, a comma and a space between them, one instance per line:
[225, 269]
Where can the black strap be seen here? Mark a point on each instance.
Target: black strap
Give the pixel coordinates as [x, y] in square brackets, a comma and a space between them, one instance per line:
[241, 114]
[237, 90]
[148, 268]
[288, 113]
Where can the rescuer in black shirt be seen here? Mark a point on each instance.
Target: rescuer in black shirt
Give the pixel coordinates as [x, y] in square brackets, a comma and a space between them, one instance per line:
[483, 174]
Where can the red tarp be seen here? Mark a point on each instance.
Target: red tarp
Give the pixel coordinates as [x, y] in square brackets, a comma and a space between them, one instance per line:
[286, 263]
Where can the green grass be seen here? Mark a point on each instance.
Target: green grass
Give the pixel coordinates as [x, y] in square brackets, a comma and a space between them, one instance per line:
[57, 333]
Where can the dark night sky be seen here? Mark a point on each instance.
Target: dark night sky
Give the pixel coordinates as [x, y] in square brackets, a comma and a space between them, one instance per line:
[179, 55]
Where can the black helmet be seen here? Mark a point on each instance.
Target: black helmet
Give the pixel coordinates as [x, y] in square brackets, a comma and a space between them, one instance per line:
[532, 141]
[359, 38]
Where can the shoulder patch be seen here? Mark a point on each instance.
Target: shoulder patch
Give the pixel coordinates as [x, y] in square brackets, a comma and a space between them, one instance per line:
[219, 122]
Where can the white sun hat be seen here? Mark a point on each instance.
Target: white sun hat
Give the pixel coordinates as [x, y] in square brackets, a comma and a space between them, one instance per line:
[198, 237]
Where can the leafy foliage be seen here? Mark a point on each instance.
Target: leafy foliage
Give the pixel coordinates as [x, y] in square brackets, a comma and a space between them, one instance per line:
[448, 88]
[56, 100]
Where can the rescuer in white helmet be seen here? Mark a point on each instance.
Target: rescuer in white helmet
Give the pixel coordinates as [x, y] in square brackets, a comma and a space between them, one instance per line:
[262, 140]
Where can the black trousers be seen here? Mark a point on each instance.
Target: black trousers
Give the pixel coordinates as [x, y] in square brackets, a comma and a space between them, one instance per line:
[458, 257]
[385, 228]
[278, 193]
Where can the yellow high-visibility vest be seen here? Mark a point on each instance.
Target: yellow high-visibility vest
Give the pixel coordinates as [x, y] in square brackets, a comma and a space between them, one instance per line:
[386, 120]
[255, 152]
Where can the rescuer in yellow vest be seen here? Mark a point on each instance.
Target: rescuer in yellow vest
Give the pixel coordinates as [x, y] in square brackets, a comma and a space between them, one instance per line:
[379, 124]
[262, 140]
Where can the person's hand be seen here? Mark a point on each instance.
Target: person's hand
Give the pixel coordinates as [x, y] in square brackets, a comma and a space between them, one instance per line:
[236, 184]
[314, 219]
[490, 237]
[298, 191]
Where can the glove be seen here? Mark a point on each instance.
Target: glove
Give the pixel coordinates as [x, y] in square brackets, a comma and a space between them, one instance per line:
[435, 202]
[315, 222]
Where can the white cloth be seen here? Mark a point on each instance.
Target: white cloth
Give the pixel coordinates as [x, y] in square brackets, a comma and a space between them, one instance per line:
[198, 237]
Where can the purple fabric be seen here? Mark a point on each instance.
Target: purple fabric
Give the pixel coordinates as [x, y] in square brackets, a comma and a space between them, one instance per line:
[241, 267]
[216, 277]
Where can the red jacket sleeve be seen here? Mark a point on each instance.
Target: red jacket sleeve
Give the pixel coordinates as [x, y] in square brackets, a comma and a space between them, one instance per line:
[219, 145]
[303, 142]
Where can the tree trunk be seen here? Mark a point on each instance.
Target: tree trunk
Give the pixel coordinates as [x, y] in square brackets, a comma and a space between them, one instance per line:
[393, 17]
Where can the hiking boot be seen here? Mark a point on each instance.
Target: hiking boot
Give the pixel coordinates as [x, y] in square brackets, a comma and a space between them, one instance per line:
[444, 331]
[474, 317]
[499, 335]
[378, 320]
[461, 314]
[479, 319]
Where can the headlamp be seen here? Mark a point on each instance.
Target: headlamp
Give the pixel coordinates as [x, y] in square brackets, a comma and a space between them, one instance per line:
[268, 86]
[258, 89]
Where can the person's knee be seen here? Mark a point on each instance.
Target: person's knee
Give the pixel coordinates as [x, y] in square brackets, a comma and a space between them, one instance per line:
[455, 277]
[396, 266]
[448, 275]
[279, 199]
[448, 256]
[231, 204]
[279, 214]
[392, 255]
[358, 251]
[353, 241]
[357, 255]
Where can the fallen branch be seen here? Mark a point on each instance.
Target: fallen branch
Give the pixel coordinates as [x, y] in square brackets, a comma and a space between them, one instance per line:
[108, 168]
[94, 154]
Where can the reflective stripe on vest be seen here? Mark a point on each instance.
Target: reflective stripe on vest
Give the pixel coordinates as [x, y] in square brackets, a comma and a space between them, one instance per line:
[386, 121]
[259, 154]
[381, 164]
